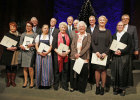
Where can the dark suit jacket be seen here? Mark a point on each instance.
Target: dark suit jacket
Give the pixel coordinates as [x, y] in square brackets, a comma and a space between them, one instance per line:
[89, 29]
[68, 31]
[84, 54]
[38, 30]
[55, 32]
[133, 33]
[126, 39]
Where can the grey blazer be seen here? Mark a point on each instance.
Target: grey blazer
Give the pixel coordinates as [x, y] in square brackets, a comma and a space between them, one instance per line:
[133, 33]
[84, 54]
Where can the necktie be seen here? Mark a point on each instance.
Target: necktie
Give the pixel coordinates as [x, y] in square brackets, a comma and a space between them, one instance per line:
[69, 30]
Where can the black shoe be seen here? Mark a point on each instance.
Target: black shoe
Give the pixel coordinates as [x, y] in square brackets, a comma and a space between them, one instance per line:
[55, 88]
[24, 86]
[107, 89]
[102, 91]
[31, 87]
[97, 90]
[115, 91]
[66, 89]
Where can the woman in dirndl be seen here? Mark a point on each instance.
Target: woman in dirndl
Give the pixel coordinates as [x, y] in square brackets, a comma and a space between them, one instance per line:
[44, 68]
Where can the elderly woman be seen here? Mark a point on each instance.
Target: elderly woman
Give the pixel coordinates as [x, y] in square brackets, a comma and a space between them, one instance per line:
[101, 40]
[9, 57]
[27, 56]
[121, 61]
[44, 70]
[74, 31]
[80, 48]
[61, 59]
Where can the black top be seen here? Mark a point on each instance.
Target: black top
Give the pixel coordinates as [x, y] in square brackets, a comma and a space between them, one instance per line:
[126, 39]
[8, 55]
[101, 41]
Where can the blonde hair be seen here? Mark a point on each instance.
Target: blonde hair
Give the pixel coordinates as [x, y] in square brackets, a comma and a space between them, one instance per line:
[102, 16]
[64, 24]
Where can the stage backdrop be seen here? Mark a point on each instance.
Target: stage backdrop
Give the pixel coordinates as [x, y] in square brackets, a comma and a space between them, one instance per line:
[112, 9]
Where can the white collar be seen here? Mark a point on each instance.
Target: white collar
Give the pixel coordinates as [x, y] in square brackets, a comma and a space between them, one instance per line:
[82, 34]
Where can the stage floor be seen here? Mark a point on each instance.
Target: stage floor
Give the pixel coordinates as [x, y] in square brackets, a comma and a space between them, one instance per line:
[19, 93]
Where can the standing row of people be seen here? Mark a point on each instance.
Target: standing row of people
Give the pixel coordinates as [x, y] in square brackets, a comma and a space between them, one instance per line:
[55, 68]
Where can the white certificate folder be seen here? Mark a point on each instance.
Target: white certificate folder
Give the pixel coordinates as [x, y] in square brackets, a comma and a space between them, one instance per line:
[98, 61]
[42, 47]
[8, 42]
[117, 45]
[78, 65]
[27, 40]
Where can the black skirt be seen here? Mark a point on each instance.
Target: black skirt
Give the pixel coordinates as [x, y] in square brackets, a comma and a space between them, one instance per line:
[121, 71]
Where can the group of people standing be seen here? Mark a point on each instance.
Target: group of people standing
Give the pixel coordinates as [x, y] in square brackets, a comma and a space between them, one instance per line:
[53, 68]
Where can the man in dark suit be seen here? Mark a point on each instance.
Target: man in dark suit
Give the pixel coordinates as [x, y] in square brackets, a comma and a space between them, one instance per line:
[70, 26]
[92, 26]
[133, 33]
[53, 30]
[36, 28]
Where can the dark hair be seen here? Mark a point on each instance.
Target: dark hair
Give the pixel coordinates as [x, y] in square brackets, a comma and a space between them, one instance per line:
[13, 24]
[29, 22]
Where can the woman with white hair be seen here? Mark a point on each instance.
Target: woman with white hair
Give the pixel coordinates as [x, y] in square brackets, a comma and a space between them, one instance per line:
[80, 49]
[121, 62]
[101, 40]
[61, 59]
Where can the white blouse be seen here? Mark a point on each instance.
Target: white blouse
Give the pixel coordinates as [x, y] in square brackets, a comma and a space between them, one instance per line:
[41, 38]
[119, 35]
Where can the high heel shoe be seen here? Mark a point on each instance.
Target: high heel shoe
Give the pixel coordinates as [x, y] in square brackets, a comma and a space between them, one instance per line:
[31, 86]
[24, 86]
[97, 90]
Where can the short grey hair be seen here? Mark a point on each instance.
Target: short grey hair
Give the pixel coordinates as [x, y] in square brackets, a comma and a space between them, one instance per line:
[63, 23]
[81, 22]
[75, 20]
[34, 18]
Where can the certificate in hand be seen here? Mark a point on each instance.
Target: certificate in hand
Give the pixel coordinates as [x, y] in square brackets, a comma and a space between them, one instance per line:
[62, 47]
[78, 65]
[27, 40]
[98, 61]
[42, 47]
[117, 45]
[8, 42]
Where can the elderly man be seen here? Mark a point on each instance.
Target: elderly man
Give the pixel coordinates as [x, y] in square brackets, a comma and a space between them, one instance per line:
[53, 30]
[133, 33]
[70, 26]
[36, 29]
[74, 31]
[80, 49]
[92, 26]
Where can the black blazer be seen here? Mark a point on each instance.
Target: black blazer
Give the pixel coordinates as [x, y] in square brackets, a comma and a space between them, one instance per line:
[134, 36]
[55, 32]
[126, 39]
[89, 29]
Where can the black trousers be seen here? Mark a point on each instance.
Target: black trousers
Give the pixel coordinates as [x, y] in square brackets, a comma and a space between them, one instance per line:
[60, 76]
[11, 69]
[79, 81]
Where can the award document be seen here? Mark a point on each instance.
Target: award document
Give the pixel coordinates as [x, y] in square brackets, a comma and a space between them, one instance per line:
[63, 47]
[43, 47]
[8, 42]
[98, 61]
[27, 40]
[78, 65]
[117, 45]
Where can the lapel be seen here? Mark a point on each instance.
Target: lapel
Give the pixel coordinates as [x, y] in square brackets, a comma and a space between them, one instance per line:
[129, 28]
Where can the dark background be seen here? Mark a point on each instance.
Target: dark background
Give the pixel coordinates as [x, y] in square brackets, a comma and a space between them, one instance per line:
[22, 10]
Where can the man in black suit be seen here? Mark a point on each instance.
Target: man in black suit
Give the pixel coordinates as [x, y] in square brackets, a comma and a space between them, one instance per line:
[92, 26]
[36, 28]
[133, 33]
[53, 30]
[90, 30]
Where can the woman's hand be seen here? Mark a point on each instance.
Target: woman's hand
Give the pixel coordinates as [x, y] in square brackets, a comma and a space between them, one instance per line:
[12, 48]
[30, 45]
[103, 55]
[22, 47]
[118, 52]
[77, 55]
[98, 54]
